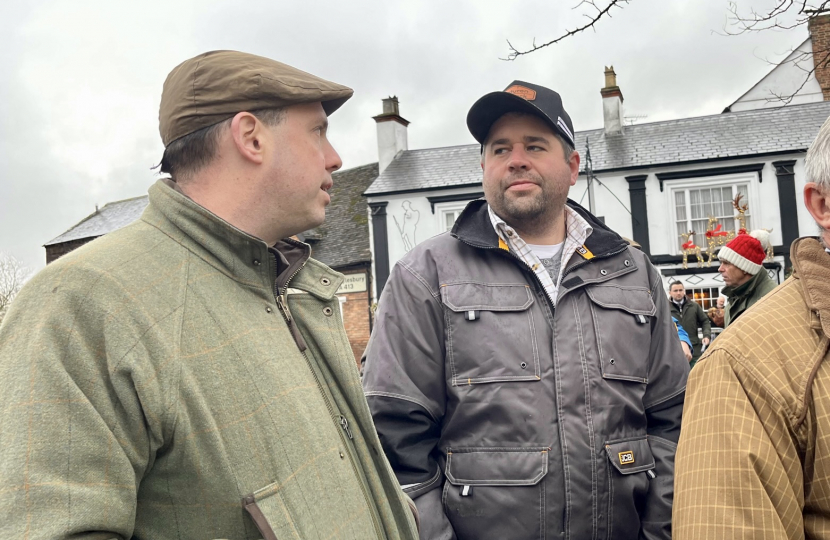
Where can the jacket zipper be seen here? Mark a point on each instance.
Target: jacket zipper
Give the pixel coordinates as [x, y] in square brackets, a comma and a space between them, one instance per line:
[343, 423]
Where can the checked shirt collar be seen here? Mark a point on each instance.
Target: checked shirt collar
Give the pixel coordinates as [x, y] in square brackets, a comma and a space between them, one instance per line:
[577, 230]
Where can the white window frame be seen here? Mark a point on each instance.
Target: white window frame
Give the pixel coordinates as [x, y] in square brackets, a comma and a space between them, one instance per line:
[750, 179]
[442, 209]
[340, 301]
[713, 300]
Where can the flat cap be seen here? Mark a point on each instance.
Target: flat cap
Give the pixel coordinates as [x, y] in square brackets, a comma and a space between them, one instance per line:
[216, 85]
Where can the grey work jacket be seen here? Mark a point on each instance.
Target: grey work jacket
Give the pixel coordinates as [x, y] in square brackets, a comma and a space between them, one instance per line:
[506, 418]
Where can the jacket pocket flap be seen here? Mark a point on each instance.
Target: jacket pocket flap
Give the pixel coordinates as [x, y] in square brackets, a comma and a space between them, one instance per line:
[486, 296]
[630, 455]
[502, 467]
[635, 300]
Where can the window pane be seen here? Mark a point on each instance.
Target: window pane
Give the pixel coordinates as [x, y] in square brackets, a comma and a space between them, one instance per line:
[743, 189]
[726, 207]
[682, 227]
[450, 217]
[706, 198]
[707, 297]
[717, 200]
[699, 226]
[695, 203]
[680, 205]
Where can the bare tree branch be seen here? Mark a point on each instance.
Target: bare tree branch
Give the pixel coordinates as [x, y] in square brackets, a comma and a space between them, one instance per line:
[592, 20]
[12, 276]
[782, 15]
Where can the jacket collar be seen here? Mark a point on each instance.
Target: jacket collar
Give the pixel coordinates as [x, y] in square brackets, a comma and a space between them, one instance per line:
[474, 227]
[230, 250]
[811, 264]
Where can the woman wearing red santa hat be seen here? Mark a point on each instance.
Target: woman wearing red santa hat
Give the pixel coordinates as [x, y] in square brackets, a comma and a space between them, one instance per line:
[743, 272]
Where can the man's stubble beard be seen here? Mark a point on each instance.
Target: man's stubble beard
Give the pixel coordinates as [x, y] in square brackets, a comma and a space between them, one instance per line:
[532, 212]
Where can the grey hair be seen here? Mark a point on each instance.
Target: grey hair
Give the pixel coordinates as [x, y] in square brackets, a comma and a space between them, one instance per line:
[817, 167]
[566, 146]
[817, 162]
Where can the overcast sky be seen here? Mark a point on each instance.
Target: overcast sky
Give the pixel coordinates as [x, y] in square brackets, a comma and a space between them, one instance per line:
[80, 80]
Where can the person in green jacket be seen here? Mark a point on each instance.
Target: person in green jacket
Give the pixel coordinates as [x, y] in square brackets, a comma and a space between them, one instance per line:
[188, 376]
[742, 269]
[690, 316]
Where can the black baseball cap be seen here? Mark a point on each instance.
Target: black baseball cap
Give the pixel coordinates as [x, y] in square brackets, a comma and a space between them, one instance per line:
[524, 97]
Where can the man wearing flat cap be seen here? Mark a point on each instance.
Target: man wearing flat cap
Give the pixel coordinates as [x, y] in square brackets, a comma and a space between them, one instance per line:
[524, 373]
[188, 376]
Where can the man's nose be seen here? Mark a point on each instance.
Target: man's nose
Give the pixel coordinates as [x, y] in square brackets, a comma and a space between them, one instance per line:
[333, 161]
[518, 158]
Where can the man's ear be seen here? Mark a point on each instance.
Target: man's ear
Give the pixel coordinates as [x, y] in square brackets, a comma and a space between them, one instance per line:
[817, 202]
[573, 164]
[247, 132]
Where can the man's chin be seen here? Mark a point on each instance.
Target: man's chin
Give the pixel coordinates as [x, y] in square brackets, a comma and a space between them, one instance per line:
[314, 222]
[525, 209]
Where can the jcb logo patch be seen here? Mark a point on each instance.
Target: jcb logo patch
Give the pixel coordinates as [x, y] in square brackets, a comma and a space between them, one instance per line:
[522, 91]
[585, 252]
[627, 457]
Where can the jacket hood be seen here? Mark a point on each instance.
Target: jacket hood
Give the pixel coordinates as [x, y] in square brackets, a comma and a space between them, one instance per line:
[474, 227]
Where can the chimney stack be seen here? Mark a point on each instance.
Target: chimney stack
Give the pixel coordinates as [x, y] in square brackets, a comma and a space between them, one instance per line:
[612, 100]
[819, 28]
[391, 132]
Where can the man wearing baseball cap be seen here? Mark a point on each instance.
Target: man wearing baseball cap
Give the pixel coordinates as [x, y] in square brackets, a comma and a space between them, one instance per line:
[742, 269]
[524, 373]
[163, 381]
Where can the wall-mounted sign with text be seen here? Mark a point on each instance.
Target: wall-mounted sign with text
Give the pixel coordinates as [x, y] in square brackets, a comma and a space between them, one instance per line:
[352, 284]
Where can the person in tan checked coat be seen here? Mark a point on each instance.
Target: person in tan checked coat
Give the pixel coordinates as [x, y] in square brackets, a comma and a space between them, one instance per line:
[189, 376]
[753, 459]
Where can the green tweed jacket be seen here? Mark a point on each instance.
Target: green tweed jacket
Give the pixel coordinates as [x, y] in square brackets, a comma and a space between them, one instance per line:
[152, 388]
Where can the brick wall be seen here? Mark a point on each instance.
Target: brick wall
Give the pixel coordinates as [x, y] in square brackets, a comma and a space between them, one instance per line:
[356, 319]
[56, 251]
[820, 34]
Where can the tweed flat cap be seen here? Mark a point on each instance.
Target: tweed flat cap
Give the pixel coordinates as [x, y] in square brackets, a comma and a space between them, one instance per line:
[216, 85]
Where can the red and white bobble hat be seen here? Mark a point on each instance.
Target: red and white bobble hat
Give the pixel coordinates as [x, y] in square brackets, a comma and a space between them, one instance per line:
[747, 251]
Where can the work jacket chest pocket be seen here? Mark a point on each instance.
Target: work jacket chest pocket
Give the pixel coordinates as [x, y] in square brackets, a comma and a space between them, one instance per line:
[491, 333]
[622, 319]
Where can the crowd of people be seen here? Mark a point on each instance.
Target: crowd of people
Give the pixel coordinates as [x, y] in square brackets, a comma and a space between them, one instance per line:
[524, 377]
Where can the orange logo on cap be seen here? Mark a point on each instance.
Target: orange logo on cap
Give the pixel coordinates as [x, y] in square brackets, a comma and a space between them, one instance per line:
[522, 91]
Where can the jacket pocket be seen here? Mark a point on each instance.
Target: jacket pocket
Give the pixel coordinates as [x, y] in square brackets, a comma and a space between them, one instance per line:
[295, 509]
[630, 465]
[622, 325]
[251, 503]
[496, 492]
[491, 334]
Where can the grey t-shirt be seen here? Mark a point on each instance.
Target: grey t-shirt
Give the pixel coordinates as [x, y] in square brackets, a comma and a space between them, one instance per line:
[550, 257]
